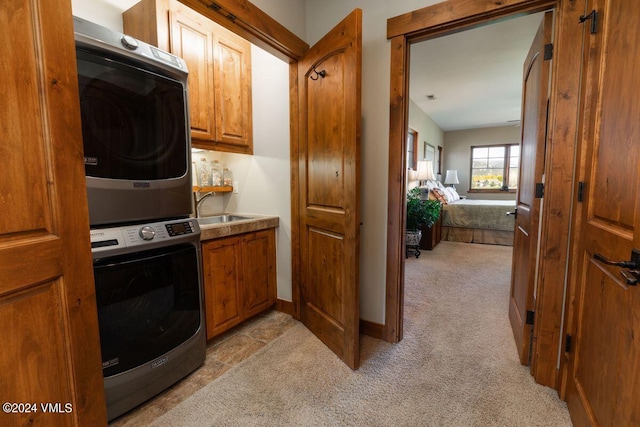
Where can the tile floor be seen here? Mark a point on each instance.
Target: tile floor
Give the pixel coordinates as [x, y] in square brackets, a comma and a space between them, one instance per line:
[223, 352]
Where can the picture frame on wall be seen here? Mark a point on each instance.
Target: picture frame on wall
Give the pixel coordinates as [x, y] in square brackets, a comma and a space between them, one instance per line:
[429, 152]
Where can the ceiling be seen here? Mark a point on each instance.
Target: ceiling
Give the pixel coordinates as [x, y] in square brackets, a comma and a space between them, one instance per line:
[475, 75]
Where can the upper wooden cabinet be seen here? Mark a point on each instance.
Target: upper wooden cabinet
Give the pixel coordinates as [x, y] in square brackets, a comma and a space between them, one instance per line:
[219, 64]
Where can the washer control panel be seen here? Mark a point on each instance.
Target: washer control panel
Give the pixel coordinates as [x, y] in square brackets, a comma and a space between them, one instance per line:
[106, 239]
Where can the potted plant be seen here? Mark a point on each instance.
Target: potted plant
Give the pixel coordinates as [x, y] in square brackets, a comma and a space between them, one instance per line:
[419, 213]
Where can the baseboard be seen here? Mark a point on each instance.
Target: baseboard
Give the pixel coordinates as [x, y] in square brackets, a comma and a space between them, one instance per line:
[285, 306]
[371, 329]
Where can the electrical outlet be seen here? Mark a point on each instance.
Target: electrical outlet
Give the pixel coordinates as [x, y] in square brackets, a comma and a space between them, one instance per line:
[235, 187]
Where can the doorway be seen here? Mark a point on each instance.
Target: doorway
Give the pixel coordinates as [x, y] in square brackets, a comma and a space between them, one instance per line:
[456, 16]
[465, 89]
[466, 94]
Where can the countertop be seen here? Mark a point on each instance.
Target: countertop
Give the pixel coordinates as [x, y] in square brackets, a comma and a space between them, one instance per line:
[253, 223]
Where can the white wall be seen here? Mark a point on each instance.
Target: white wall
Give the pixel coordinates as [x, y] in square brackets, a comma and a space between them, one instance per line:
[321, 17]
[428, 131]
[457, 154]
[107, 13]
[289, 13]
[264, 178]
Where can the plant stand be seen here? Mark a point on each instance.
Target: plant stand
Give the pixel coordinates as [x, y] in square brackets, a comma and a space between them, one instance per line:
[412, 243]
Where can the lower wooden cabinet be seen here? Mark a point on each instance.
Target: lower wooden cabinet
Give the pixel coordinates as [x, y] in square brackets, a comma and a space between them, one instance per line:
[239, 278]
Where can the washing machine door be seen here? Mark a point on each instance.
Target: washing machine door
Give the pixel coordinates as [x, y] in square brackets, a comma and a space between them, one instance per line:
[148, 304]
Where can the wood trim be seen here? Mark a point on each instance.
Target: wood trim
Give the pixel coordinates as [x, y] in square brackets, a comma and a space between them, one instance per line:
[414, 143]
[589, 90]
[457, 15]
[294, 153]
[372, 329]
[559, 195]
[286, 307]
[251, 23]
[396, 204]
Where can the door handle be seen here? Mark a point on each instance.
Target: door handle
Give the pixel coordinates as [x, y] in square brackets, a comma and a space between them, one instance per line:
[634, 262]
[514, 213]
[632, 274]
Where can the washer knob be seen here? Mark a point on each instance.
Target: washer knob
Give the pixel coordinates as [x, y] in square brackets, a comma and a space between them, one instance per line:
[129, 42]
[147, 233]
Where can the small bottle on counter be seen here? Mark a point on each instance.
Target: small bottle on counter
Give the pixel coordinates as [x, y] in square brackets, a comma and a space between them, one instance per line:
[227, 177]
[204, 173]
[194, 174]
[216, 173]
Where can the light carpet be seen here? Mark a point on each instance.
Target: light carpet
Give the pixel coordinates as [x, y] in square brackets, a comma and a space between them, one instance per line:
[457, 364]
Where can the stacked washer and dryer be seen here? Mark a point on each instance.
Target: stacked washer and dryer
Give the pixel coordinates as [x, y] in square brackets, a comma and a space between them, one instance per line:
[145, 246]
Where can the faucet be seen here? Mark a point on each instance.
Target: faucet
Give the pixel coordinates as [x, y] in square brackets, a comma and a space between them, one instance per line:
[198, 202]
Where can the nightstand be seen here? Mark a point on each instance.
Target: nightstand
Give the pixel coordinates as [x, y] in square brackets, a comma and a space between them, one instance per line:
[431, 236]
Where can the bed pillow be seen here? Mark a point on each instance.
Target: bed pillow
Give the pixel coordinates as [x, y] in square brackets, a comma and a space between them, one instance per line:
[439, 195]
[454, 193]
[431, 184]
[451, 194]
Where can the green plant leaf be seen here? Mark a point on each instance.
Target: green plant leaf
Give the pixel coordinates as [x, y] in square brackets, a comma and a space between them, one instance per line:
[421, 212]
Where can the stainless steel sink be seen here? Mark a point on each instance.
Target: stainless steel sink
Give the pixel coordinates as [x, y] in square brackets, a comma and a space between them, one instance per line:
[220, 219]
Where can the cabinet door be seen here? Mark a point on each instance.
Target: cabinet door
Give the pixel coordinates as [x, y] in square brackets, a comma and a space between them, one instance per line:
[232, 81]
[222, 267]
[259, 271]
[192, 39]
[219, 63]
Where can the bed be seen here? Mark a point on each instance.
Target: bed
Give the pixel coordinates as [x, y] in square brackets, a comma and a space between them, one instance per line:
[473, 221]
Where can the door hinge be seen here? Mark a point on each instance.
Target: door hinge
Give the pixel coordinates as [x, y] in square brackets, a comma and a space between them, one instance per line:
[531, 316]
[594, 20]
[539, 190]
[567, 343]
[580, 191]
[548, 51]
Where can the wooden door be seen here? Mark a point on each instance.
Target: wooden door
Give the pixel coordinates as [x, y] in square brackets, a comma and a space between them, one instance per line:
[192, 40]
[329, 163]
[50, 340]
[604, 366]
[535, 91]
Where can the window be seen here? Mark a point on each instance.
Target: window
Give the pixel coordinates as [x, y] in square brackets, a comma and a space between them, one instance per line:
[495, 167]
[412, 150]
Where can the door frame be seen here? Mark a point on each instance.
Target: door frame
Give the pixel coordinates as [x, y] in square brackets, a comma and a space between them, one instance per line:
[458, 15]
